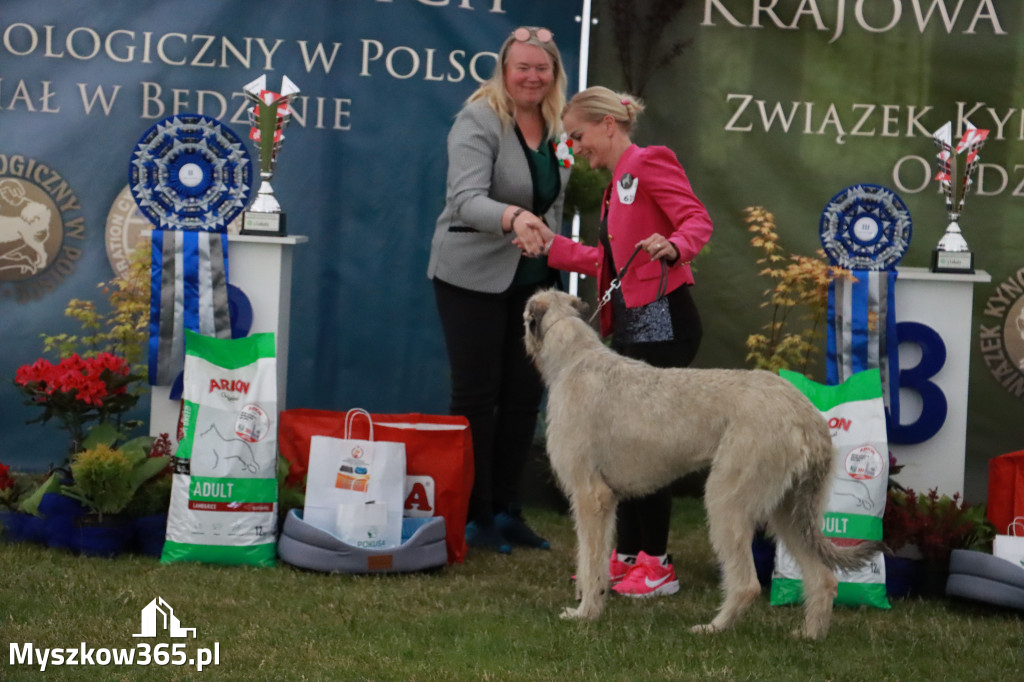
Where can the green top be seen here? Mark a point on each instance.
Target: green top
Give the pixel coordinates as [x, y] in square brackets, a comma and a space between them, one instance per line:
[546, 186]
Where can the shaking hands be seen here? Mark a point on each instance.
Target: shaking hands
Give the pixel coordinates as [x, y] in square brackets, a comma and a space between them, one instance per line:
[533, 237]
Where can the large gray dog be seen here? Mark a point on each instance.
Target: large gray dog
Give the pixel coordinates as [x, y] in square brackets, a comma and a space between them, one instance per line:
[618, 428]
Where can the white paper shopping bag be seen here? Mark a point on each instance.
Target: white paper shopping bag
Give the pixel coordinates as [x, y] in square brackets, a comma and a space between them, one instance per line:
[363, 524]
[367, 475]
[1011, 546]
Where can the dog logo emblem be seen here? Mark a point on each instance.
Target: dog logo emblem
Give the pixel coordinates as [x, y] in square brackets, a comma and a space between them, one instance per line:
[26, 224]
[42, 228]
[627, 188]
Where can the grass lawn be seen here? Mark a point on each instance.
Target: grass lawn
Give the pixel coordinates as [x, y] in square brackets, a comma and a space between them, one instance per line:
[493, 618]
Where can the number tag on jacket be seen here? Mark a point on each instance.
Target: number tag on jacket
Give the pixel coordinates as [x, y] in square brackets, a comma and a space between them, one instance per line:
[627, 188]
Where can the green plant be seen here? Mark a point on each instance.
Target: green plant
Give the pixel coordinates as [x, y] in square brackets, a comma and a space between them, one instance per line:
[77, 391]
[15, 488]
[153, 497]
[105, 479]
[291, 493]
[124, 329]
[934, 524]
[585, 188]
[798, 299]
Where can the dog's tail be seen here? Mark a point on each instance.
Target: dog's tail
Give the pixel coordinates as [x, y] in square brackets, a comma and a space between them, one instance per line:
[804, 505]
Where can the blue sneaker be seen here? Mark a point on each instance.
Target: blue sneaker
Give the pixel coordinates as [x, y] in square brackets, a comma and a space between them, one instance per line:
[514, 529]
[486, 537]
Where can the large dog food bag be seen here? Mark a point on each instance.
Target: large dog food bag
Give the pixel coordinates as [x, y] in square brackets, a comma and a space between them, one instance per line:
[224, 495]
[856, 417]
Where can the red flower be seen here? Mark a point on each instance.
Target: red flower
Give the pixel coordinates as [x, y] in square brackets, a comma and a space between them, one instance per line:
[6, 481]
[77, 389]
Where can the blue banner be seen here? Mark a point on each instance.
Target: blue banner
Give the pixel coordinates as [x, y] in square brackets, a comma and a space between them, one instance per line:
[360, 173]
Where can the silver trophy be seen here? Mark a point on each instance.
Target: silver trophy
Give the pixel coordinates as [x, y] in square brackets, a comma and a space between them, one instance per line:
[267, 118]
[952, 254]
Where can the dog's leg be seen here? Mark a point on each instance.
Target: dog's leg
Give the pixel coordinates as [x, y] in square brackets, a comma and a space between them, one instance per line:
[731, 529]
[593, 509]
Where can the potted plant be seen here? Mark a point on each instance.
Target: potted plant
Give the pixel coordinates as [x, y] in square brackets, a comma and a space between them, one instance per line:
[291, 491]
[105, 480]
[148, 507]
[25, 522]
[926, 529]
[797, 299]
[148, 514]
[78, 390]
[14, 522]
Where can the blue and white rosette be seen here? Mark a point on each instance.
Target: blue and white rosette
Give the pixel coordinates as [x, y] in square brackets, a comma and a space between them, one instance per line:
[190, 175]
[865, 229]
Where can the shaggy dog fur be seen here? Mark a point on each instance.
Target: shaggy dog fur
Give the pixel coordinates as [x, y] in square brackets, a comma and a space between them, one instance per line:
[618, 428]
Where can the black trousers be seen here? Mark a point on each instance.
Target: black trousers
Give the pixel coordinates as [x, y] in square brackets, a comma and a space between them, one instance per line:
[642, 523]
[494, 385]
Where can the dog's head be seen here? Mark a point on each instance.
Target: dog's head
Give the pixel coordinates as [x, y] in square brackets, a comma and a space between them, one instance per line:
[544, 309]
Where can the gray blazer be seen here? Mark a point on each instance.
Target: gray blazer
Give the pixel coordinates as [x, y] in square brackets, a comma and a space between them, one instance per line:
[487, 171]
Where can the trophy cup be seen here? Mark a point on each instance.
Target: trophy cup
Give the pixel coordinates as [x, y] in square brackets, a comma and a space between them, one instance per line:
[952, 253]
[267, 118]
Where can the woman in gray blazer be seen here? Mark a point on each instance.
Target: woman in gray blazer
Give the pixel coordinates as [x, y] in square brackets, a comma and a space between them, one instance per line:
[504, 180]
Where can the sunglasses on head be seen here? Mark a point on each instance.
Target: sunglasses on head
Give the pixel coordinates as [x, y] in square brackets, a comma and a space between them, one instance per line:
[522, 34]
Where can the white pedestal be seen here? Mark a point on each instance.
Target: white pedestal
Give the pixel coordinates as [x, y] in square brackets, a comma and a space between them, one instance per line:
[262, 268]
[943, 303]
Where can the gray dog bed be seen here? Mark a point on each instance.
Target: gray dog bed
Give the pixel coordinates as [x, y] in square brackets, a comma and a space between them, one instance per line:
[983, 577]
[306, 546]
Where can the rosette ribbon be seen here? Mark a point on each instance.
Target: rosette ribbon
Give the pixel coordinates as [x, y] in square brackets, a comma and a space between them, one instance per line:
[190, 176]
[188, 290]
[865, 229]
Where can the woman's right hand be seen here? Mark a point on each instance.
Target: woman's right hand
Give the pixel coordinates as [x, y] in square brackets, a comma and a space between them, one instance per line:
[532, 235]
[524, 223]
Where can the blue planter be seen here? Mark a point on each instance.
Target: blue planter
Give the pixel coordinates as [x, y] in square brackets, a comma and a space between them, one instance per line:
[22, 527]
[59, 513]
[10, 524]
[106, 538]
[902, 576]
[150, 532]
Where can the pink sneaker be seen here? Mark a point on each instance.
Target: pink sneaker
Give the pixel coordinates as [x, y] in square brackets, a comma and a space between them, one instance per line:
[617, 570]
[648, 578]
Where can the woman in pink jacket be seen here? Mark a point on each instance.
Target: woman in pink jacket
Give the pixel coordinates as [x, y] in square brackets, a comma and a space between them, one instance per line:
[651, 220]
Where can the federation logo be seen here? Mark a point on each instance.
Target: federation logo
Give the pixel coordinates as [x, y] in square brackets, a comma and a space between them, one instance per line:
[1001, 334]
[40, 220]
[124, 233]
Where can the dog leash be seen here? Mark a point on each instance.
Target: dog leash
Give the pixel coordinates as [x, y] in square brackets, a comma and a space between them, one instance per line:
[617, 283]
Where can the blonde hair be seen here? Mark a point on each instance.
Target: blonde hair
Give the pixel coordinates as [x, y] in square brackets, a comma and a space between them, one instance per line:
[594, 103]
[494, 93]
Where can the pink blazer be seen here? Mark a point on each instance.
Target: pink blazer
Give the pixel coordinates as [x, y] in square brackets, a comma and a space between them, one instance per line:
[659, 199]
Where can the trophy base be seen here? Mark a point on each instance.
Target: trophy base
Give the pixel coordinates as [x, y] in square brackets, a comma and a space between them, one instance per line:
[953, 262]
[263, 224]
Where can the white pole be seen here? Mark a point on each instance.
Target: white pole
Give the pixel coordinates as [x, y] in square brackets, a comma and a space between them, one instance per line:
[585, 24]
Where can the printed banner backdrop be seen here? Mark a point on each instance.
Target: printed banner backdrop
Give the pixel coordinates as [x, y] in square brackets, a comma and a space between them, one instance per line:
[774, 104]
[360, 173]
[783, 104]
